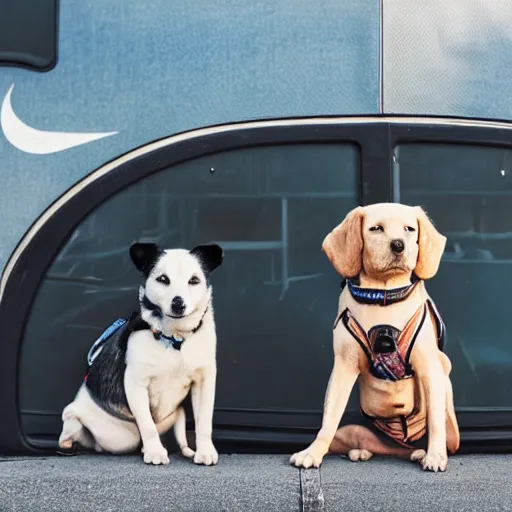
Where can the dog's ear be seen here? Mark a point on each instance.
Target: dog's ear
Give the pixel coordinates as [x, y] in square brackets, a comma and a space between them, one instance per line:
[144, 256]
[344, 244]
[430, 246]
[210, 256]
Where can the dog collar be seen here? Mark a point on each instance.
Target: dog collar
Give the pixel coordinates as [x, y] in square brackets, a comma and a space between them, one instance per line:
[377, 297]
[168, 341]
[176, 341]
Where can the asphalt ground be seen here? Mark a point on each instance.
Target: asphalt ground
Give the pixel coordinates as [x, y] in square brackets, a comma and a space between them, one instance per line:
[251, 483]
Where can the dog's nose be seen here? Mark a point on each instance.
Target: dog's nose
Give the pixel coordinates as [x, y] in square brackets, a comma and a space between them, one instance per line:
[397, 246]
[177, 305]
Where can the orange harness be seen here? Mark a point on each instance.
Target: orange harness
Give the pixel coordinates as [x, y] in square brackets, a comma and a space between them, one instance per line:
[388, 351]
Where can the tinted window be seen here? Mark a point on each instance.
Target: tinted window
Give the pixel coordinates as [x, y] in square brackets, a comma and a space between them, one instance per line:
[28, 33]
[467, 191]
[275, 296]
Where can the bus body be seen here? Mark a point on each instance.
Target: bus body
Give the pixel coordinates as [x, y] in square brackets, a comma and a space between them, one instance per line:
[257, 125]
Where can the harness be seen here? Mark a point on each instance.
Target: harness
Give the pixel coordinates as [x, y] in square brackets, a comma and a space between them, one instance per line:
[130, 325]
[173, 341]
[388, 350]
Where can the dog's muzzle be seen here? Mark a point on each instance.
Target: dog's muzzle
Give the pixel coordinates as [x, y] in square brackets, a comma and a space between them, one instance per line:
[397, 246]
[178, 306]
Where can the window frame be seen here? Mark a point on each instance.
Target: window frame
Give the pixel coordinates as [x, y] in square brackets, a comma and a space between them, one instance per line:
[465, 133]
[35, 253]
[376, 137]
[474, 421]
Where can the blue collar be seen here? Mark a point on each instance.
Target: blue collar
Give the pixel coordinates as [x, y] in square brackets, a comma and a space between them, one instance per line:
[378, 297]
[168, 341]
[176, 341]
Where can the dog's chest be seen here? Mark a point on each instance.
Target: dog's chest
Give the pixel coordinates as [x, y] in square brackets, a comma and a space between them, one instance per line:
[169, 372]
[170, 382]
[166, 391]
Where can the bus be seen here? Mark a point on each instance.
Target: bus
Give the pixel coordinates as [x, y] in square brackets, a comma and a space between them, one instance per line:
[258, 126]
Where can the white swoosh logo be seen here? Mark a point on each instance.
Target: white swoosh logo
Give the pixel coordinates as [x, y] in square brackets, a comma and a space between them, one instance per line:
[39, 142]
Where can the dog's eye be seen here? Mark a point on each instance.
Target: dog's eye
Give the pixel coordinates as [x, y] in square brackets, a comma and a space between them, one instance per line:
[376, 228]
[194, 280]
[410, 229]
[163, 279]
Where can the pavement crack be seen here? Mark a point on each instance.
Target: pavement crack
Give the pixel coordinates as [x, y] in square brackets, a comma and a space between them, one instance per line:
[311, 494]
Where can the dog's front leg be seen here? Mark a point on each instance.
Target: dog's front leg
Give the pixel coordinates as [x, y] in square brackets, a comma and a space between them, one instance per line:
[343, 377]
[432, 379]
[203, 400]
[136, 389]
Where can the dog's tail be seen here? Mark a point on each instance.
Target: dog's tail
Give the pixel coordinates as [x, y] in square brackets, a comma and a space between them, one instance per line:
[181, 433]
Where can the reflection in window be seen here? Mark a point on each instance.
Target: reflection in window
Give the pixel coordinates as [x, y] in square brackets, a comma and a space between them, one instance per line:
[275, 295]
[467, 191]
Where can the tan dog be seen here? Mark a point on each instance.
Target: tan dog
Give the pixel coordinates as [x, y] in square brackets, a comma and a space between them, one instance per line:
[389, 334]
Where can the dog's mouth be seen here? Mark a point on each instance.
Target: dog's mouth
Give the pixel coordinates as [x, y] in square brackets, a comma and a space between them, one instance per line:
[397, 268]
[176, 317]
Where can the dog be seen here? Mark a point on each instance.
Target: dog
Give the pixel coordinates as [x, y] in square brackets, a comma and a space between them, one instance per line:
[142, 368]
[388, 335]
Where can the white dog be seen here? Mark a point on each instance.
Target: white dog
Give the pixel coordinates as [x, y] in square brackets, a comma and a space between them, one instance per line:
[141, 369]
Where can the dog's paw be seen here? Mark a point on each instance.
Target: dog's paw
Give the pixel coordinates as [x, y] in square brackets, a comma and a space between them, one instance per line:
[435, 461]
[206, 455]
[187, 452]
[65, 443]
[307, 458]
[156, 455]
[359, 455]
[418, 455]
